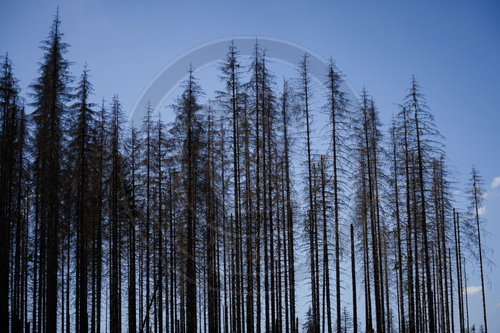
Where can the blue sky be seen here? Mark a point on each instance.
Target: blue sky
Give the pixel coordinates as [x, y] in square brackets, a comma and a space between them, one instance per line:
[453, 47]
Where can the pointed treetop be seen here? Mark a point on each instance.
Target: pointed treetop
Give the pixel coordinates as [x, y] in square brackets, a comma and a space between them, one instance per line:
[56, 21]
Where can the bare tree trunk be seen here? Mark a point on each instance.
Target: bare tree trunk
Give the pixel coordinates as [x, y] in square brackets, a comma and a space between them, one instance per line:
[289, 212]
[257, 194]
[366, 269]
[466, 292]
[148, 215]
[305, 86]
[326, 269]
[443, 249]
[190, 274]
[432, 324]
[285, 251]
[398, 233]
[451, 295]
[132, 321]
[480, 249]
[458, 268]
[160, 229]
[375, 252]
[439, 278]
[267, 110]
[409, 264]
[353, 273]
[249, 228]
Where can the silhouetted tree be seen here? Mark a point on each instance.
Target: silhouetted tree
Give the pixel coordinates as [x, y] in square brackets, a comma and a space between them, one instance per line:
[476, 197]
[80, 150]
[12, 187]
[51, 94]
[188, 129]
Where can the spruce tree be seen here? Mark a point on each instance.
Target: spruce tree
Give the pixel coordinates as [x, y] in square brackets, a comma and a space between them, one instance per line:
[189, 131]
[51, 95]
[476, 195]
[80, 150]
[12, 139]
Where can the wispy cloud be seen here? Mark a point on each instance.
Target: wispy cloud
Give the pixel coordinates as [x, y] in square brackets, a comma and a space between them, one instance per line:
[497, 305]
[496, 182]
[480, 211]
[472, 290]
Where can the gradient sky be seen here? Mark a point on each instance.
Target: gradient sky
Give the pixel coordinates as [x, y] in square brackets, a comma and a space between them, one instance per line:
[453, 47]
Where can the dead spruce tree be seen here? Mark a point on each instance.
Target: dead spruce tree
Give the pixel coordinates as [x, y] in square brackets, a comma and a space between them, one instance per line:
[51, 94]
[336, 108]
[476, 196]
[189, 131]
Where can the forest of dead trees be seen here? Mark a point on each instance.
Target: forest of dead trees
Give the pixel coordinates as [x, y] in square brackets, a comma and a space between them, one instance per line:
[202, 224]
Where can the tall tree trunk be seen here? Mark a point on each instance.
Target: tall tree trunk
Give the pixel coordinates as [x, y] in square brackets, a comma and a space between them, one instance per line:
[451, 294]
[398, 232]
[132, 323]
[443, 247]
[409, 264]
[326, 269]
[432, 324]
[160, 228]
[289, 212]
[480, 249]
[304, 68]
[333, 79]
[458, 268]
[249, 227]
[353, 273]
[114, 320]
[373, 228]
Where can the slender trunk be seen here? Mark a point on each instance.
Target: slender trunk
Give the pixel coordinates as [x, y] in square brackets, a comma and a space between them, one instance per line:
[326, 269]
[443, 250]
[257, 193]
[289, 218]
[432, 324]
[249, 228]
[270, 214]
[190, 276]
[439, 278]
[285, 251]
[132, 282]
[379, 231]
[409, 264]
[480, 250]
[305, 83]
[451, 295]
[265, 205]
[68, 322]
[160, 231]
[398, 235]
[366, 269]
[466, 297]
[458, 266]
[375, 252]
[353, 273]
[211, 239]
[333, 115]
[148, 215]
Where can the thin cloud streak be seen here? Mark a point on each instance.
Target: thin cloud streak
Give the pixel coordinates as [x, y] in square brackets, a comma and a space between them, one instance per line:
[472, 290]
[496, 182]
